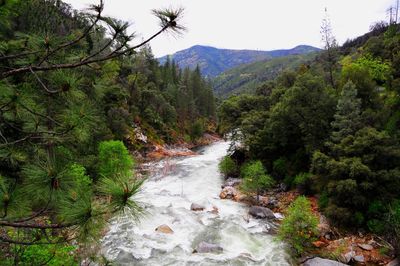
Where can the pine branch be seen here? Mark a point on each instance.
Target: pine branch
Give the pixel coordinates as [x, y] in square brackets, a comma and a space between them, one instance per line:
[99, 9]
[4, 239]
[37, 225]
[6, 57]
[168, 20]
[43, 85]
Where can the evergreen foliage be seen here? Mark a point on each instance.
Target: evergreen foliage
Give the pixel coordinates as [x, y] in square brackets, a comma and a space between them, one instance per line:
[336, 119]
[255, 178]
[75, 94]
[299, 227]
[227, 166]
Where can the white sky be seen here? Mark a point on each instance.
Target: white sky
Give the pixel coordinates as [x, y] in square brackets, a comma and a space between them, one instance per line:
[251, 24]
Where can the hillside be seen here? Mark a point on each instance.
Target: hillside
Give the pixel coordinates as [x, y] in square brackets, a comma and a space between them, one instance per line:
[330, 132]
[213, 61]
[246, 78]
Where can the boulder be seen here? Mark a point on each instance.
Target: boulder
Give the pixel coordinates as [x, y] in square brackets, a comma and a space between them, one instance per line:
[395, 262]
[124, 257]
[324, 227]
[348, 256]
[359, 258]
[214, 210]
[196, 207]
[366, 247]
[228, 193]
[261, 212]
[272, 203]
[204, 247]
[165, 229]
[322, 262]
[231, 182]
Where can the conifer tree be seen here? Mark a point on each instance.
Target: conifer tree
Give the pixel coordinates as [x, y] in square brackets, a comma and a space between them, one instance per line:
[347, 117]
[58, 85]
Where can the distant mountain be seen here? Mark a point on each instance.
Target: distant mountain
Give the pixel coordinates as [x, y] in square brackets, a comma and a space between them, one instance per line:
[246, 78]
[213, 61]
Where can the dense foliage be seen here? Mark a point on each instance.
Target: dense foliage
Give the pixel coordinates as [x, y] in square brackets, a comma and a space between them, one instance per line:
[255, 178]
[227, 166]
[331, 128]
[215, 61]
[246, 78]
[74, 94]
[299, 227]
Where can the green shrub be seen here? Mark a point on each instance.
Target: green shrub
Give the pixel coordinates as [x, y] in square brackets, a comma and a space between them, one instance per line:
[358, 219]
[51, 254]
[323, 200]
[376, 226]
[299, 227]
[78, 173]
[301, 178]
[279, 168]
[197, 130]
[303, 182]
[114, 159]
[117, 177]
[288, 180]
[227, 166]
[255, 178]
[57, 255]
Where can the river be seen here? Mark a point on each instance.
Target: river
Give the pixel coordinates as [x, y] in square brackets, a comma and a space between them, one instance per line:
[167, 196]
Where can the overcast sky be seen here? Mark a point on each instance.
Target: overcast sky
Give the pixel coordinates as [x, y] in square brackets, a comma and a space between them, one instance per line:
[251, 24]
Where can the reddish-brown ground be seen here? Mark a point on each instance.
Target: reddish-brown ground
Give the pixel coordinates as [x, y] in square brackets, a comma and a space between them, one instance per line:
[341, 242]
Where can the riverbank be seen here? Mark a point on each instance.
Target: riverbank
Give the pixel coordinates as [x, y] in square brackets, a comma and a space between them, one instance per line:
[334, 243]
[176, 231]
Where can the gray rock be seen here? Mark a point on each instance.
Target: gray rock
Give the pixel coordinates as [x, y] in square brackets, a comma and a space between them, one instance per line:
[272, 203]
[348, 256]
[323, 226]
[282, 187]
[359, 258]
[395, 262]
[366, 246]
[205, 247]
[196, 207]
[231, 182]
[322, 262]
[124, 258]
[261, 212]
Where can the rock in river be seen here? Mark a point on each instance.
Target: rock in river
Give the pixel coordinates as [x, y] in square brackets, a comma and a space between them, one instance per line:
[261, 212]
[164, 229]
[322, 262]
[231, 182]
[228, 193]
[205, 247]
[196, 207]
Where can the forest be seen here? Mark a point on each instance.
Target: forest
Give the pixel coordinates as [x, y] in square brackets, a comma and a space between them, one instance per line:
[330, 129]
[74, 94]
[81, 98]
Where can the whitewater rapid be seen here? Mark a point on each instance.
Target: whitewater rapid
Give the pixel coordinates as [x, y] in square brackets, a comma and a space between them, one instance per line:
[167, 196]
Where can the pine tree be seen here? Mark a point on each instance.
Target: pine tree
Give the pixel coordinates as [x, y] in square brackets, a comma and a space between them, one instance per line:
[347, 118]
[330, 55]
[53, 112]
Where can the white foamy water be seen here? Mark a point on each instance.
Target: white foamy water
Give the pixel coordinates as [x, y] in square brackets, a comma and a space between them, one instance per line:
[167, 196]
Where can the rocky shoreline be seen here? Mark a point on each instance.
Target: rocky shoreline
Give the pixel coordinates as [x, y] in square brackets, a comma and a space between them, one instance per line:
[333, 248]
[155, 151]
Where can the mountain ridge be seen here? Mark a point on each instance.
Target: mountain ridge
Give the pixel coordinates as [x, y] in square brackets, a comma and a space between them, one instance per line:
[213, 61]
